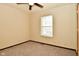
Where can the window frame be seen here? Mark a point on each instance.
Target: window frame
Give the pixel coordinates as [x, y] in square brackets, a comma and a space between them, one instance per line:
[50, 27]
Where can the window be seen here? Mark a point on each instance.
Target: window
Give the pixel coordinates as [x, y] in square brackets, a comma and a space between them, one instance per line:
[47, 26]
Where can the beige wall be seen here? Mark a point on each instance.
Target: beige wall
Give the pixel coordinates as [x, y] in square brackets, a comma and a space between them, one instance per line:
[65, 26]
[17, 26]
[14, 25]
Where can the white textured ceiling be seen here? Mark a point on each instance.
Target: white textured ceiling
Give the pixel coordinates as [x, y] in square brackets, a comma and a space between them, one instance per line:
[35, 8]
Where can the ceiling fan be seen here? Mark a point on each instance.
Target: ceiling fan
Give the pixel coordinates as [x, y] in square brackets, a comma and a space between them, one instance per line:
[32, 4]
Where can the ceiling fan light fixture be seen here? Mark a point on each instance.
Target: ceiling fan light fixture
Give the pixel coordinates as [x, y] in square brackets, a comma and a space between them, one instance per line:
[31, 3]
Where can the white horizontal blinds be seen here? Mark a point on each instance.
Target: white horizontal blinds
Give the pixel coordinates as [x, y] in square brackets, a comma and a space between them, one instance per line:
[47, 26]
[46, 31]
[46, 21]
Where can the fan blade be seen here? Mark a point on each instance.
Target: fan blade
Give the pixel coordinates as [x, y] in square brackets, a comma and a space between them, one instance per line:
[22, 3]
[38, 5]
[30, 7]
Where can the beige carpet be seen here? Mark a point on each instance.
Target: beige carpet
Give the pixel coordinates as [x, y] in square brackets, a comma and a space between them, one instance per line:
[36, 49]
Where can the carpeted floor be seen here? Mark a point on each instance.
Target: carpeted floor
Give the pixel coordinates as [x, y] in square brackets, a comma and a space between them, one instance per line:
[36, 49]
